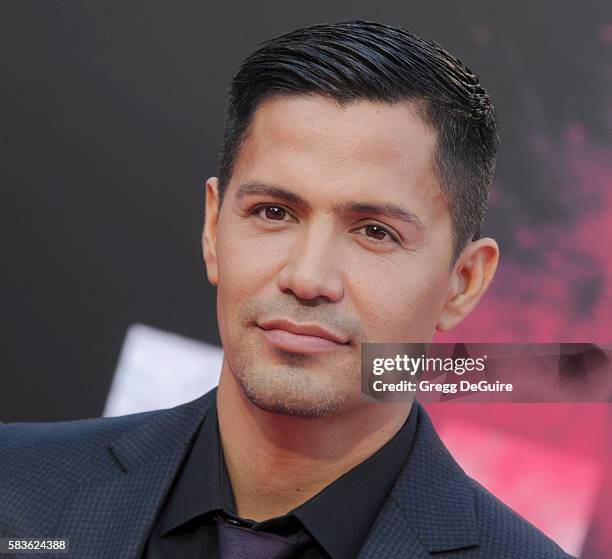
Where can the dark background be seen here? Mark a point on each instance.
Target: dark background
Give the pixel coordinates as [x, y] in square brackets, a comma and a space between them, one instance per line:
[111, 120]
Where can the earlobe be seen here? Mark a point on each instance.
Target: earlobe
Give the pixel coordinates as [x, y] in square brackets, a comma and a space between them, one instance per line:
[209, 233]
[472, 276]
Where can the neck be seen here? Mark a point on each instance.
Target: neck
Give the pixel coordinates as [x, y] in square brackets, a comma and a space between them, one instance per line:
[277, 462]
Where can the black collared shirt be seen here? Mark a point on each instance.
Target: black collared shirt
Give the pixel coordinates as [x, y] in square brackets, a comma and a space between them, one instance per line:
[338, 518]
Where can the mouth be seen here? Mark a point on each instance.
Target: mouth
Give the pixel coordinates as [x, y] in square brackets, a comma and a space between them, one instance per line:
[301, 337]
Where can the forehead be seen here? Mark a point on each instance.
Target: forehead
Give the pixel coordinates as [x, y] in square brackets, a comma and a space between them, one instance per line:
[310, 142]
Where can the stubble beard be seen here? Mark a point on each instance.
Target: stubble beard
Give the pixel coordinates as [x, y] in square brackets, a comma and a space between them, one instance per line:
[288, 387]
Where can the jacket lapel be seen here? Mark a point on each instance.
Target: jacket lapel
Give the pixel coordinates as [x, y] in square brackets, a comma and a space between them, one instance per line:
[113, 515]
[392, 536]
[431, 506]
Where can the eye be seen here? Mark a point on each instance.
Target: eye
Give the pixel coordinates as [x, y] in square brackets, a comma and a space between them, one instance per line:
[378, 233]
[270, 212]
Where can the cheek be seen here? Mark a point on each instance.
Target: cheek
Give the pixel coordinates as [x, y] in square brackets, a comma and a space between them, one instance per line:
[397, 301]
[247, 260]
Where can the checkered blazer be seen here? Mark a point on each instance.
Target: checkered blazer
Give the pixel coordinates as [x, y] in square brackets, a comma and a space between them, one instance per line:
[101, 483]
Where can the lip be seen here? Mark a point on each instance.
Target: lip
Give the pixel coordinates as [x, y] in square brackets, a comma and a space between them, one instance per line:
[301, 337]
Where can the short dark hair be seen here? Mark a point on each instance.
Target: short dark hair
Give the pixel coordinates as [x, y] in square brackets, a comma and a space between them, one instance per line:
[357, 61]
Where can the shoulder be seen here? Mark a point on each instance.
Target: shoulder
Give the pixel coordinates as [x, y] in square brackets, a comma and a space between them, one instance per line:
[42, 463]
[28, 439]
[505, 533]
[69, 447]
[34, 453]
[451, 508]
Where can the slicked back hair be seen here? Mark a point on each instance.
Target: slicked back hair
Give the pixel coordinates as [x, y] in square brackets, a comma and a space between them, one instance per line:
[356, 61]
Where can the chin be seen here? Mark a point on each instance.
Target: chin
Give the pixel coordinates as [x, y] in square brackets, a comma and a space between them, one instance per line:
[290, 398]
[311, 410]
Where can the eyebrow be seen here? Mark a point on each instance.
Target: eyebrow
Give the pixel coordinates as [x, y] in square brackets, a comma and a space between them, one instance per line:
[258, 188]
[388, 209]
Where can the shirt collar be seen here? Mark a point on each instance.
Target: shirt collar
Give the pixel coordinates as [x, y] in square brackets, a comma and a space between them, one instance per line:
[339, 517]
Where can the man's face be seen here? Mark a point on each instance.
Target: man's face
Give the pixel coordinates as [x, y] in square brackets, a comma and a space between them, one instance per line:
[334, 218]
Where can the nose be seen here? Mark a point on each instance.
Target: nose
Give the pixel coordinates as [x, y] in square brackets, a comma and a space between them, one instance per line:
[311, 270]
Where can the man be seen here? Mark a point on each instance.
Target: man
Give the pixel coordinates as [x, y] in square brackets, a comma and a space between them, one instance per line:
[355, 168]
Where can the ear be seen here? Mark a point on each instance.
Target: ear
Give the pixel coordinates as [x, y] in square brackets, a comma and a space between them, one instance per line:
[209, 232]
[471, 277]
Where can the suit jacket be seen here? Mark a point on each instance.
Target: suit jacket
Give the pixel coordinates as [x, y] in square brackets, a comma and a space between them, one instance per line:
[101, 483]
